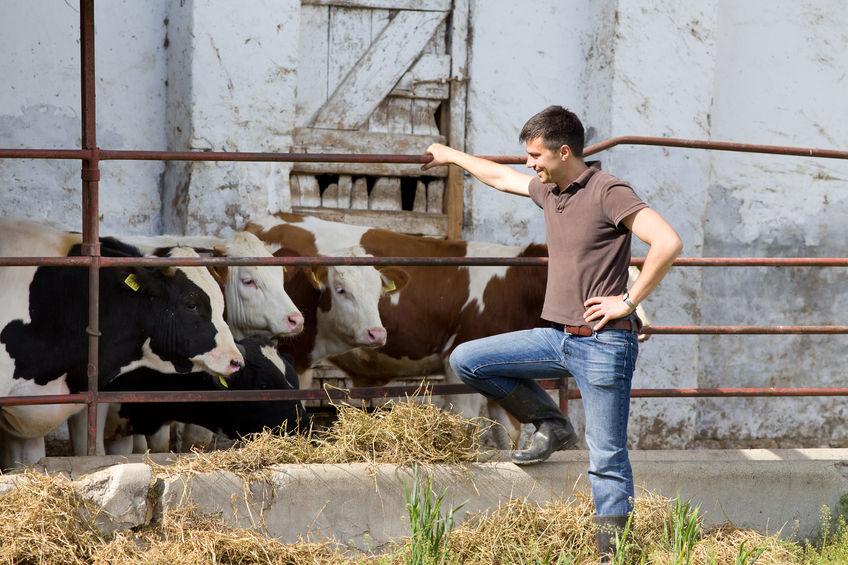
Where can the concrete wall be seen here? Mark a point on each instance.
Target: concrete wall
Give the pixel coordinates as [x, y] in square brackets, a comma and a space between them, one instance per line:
[203, 75]
[40, 107]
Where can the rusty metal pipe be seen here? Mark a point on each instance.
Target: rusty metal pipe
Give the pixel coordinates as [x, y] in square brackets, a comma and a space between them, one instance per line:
[90, 174]
[401, 391]
[129, 155]
[404, 261]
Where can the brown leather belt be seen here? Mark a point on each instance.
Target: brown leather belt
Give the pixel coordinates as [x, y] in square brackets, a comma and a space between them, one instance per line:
[586, 330]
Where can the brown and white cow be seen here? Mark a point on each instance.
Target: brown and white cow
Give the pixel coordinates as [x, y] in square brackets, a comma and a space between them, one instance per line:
[439, 308]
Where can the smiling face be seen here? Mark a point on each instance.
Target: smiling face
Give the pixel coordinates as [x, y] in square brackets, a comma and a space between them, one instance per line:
[549, 164]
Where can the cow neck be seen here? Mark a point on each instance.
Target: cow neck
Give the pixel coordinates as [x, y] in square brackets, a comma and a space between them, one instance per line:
[307, 298]
[58, 326]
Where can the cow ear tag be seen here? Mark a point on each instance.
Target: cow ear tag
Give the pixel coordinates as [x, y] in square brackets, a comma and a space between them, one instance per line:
[315, 278]
[132, 282]
[223, 382]
[390, 287]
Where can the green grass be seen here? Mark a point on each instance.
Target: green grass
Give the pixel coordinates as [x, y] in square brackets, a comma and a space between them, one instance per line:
[429, 528]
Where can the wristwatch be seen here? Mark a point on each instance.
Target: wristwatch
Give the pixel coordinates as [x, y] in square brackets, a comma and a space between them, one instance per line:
[627, 301]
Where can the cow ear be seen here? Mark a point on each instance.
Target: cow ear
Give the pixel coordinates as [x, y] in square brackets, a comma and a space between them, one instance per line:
[220, 273]
[141, 280]
[394, 279]
[288, 272]
[317, 276]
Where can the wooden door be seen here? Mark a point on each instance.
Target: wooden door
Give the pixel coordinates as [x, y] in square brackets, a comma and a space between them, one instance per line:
[381, 76]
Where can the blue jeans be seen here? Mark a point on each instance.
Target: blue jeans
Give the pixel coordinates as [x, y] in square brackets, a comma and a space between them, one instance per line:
[602, 364]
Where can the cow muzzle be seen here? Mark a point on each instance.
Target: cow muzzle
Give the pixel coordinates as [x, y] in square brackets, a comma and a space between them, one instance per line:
[292, 325]
[375, 337]
[221, 361]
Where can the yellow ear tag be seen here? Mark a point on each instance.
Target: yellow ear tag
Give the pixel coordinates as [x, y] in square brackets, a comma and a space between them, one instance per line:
[390, 287]
[315, 278]
[132, 282]
[223, 382]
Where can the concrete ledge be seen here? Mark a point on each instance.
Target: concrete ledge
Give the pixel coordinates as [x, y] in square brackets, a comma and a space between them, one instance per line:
[363, 506]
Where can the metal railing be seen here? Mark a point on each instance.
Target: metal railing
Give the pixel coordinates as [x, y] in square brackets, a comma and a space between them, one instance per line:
[90, 156]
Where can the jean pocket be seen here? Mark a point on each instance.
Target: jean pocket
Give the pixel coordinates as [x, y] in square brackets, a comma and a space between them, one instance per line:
[612, 337]
[607, 361]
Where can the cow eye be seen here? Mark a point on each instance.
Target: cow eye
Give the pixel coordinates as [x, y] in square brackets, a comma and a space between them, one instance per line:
[340, 290]
[248, 282]
[192, 306]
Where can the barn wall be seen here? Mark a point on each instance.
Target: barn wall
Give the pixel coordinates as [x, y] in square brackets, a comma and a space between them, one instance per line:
[40, 107]
[205, 75]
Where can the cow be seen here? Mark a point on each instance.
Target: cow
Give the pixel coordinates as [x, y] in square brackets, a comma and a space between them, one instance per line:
[264, 369]
[170, 319]
[439, 308]
[256, 302]
[339, 306]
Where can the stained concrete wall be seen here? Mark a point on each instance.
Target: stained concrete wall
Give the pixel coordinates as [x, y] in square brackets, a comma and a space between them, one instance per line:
[40, 108]
[757, 72]
[204, 75]
[361, 505]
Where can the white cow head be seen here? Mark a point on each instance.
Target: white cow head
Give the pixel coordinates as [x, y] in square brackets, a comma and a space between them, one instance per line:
[348, 310]
[257, 303]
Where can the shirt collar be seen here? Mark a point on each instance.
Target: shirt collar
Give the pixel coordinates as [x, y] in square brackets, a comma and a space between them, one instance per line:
[579, 182]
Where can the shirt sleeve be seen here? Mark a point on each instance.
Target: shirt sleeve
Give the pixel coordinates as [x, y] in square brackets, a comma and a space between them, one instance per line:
[537, 192]
[619, 201]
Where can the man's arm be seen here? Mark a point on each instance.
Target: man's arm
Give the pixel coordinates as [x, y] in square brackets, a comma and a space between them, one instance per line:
[665, 246]
[501, 177]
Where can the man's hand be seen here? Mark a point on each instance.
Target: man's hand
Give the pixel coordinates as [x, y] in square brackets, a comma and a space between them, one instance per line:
[441, 156]
[606, 308]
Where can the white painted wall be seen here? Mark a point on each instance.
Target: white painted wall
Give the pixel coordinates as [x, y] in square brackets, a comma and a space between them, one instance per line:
[758, 71]
[40, 101]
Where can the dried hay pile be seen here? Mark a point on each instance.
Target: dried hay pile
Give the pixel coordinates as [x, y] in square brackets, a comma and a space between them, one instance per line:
[185, 538]
[399, 432]
[522, 532]
[44, 521]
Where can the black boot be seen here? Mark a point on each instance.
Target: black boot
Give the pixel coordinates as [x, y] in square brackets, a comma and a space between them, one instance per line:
[609, 528]
[529, 403]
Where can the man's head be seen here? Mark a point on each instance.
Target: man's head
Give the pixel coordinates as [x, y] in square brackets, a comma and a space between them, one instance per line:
[554, 139]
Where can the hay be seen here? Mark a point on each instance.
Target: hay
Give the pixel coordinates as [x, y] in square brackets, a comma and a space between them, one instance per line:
[523, 532]
[402, 433]
[45, 521]
[186, 538]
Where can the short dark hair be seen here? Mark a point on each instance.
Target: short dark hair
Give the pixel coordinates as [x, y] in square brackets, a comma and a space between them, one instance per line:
[556, 126]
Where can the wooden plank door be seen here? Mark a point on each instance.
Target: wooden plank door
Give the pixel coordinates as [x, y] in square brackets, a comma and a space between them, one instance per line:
[381, 76]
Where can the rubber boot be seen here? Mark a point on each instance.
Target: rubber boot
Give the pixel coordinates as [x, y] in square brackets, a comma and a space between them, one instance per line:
[530, 404]
[609, 528]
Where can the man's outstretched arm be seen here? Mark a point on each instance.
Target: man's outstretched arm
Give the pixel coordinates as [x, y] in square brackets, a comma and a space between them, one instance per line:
[501, 177]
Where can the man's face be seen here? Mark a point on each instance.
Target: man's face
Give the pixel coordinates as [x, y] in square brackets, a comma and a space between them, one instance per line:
[547, 164]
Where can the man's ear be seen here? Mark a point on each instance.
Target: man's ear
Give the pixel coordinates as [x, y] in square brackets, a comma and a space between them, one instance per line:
[564, 152]
[394, 279]
[144, 280]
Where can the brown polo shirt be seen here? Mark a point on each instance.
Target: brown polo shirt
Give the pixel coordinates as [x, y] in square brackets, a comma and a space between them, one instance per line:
[589, 248]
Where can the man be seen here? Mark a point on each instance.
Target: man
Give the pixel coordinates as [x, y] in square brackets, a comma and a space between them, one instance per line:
[589, 216]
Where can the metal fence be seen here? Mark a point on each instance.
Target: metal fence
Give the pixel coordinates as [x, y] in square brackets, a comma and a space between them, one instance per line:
[90, 156]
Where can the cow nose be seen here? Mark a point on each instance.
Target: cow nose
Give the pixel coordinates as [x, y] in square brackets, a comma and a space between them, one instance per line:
[376, 336]
[295, 322]
[235, 366]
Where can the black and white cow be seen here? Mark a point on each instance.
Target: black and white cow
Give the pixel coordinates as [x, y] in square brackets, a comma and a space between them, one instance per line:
[256, 300]
[264, 369]
[169, 319]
